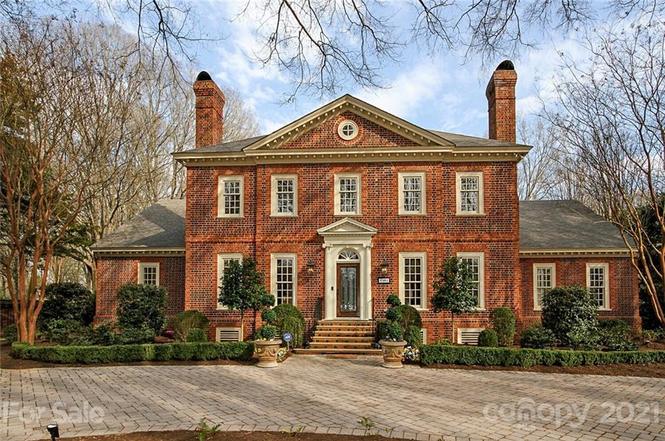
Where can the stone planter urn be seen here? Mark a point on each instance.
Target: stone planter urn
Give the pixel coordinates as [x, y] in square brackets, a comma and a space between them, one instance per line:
[266, 351]
[393, 352]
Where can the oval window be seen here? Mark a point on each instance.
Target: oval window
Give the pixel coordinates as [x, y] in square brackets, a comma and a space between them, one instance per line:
[347, 130]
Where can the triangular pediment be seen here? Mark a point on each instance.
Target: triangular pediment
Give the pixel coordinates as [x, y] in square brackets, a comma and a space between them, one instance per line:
[347, 226]
[317, 129]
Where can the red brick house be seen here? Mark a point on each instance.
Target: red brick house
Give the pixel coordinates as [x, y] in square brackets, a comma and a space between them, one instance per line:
[349, 204]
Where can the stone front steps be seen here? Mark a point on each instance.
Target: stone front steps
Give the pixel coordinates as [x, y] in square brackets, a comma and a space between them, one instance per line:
[342, 337]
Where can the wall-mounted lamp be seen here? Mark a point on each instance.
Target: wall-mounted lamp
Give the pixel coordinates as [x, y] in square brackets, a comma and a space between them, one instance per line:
[384, 267]
[310, 266]
[53, 431]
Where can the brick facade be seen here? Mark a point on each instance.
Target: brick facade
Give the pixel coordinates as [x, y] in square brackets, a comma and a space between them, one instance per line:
[623, 286]
[113, 272]
[192, 280]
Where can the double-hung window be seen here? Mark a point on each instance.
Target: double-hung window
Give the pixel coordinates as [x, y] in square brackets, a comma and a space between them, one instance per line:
[230, 196]
[284, 195]
[284, 278]
[597, 282]
[223, 262]
[544, 279]
[149, 274]
[347, 194]
[470, 193]
[411, 197]
[413, 279]
[476, 264]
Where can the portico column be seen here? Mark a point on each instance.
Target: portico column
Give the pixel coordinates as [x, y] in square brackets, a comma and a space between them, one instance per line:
[329, 293]
[367, 291]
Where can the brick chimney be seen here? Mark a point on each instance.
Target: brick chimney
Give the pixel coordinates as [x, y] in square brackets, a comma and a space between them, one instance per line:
[500, 95]
[209, 111]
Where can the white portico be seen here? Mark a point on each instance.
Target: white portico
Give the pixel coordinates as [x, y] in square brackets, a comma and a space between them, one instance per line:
[348, 269]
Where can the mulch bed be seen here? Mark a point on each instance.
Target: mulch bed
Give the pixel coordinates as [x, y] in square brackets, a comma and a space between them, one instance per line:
[9, 362]
[182, 435]
[656, 370]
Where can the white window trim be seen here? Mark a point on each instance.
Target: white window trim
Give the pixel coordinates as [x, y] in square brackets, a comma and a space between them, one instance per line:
[536, 266]
[481, 276]
[481, 194]
[423, 295]
[338, 202]
[273, 195]
[606, 281]
[273, 274]
[341, 133]
[400, 194]
[220, 270]
[220, 195]
[148, 265]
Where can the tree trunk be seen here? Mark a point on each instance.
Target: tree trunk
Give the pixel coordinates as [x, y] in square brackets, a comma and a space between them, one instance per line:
[452, 327]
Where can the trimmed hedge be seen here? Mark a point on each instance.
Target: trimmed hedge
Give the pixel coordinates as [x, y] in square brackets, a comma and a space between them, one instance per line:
[470, 355]
[128, 353]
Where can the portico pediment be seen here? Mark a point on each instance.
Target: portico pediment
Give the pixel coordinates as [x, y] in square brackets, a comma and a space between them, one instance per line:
[347, 227]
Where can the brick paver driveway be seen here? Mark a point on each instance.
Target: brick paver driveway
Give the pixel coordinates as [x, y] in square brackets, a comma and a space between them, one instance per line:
[330, 396]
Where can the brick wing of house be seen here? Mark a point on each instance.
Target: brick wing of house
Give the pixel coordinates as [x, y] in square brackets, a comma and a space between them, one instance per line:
[349, 204]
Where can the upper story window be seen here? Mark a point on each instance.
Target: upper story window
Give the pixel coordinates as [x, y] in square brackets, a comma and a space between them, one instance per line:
[230, 196]
[412, 279]
[411, 193]
[149, 274]
[544, 279]
[284, 195]
[470, 193]
[347, 130]
[223, 262]
[284, 277]
[347, 194]
[476, 265]
[597, 282]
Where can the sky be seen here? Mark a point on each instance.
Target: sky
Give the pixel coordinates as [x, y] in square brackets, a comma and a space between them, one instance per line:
[441, 90]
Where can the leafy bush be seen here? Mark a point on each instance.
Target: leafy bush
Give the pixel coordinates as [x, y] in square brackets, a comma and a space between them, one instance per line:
[413, 336]
[140, 335]
[67, 301]
[104, 335]
[66, 332]
[393, 331]
[197, 335]
[503, 322]
[185, 321]
[269, 316]
[652, 335]
[615, 335]
[470, 355]
[393, 300]
[266, 332]
[406, 318]
[128, 353]
[571, 314]
[289, 319]
[537, 337]
[394, 314]
[141, 306]
[10, 333]
[488, 338]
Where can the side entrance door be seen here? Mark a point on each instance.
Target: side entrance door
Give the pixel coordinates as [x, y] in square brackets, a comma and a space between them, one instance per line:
[348, 289]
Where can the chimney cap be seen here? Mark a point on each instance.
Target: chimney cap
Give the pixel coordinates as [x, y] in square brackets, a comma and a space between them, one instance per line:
[203, 76]
[506, 65]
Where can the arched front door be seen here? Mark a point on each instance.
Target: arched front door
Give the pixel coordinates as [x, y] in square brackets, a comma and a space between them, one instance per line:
[348, 284]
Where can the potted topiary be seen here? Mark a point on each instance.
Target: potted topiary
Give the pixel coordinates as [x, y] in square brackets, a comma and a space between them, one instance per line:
[266, 346]
[393, 345]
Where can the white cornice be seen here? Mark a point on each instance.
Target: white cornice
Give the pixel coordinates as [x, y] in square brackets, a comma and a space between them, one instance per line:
[177, 251]
[619, 252]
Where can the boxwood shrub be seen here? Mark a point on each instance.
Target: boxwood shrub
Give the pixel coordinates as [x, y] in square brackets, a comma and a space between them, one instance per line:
[470, 355]
[140, 352]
